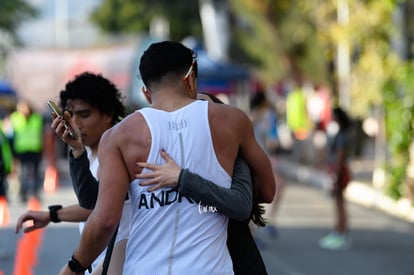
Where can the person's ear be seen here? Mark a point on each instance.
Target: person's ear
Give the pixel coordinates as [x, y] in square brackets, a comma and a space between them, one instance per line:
[192, 83]
[108, 118]
[147, 94]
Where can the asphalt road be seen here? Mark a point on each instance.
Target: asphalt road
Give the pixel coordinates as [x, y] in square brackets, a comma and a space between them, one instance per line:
[382, 244]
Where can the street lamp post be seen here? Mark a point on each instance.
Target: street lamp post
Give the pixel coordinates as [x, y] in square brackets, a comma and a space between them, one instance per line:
[61, 23]
[343, 57]
[214, 20]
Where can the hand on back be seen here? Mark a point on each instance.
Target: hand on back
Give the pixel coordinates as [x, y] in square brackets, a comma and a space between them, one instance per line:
[165, 175]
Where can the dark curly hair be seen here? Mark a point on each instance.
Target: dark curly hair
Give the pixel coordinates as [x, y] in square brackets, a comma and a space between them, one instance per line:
[97, 91]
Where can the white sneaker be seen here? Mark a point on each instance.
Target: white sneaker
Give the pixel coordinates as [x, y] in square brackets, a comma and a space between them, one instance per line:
[335, 241]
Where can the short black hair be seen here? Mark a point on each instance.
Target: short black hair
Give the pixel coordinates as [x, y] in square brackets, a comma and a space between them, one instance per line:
[342, 118]
[165, 57]
[97, 91]
[257, 99]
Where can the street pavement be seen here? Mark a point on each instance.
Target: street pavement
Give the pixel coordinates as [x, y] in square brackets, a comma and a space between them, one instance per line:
[382, 243]
[57, 241]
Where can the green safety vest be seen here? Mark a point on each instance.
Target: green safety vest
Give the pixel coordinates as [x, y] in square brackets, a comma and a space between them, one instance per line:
[296, 112]
[27, 133]
[6, 153]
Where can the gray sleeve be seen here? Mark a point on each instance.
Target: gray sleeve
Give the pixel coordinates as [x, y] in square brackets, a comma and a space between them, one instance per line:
[234, 202]
[84, 183]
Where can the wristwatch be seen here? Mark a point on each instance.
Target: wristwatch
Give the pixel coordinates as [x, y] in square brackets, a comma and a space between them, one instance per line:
[53, 212]
[75, 266]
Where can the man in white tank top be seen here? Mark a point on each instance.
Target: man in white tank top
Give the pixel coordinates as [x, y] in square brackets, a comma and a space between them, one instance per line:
[170, 233]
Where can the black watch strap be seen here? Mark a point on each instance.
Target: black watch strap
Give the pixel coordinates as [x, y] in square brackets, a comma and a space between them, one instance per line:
[75, 266]
[53, 212]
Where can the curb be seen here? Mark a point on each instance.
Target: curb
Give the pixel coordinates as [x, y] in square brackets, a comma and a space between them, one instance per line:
[367, 196]
[358, 192]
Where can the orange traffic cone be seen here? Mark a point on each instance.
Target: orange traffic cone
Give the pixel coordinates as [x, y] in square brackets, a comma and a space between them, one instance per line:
[27, 247]
[34, 204]
[51, 179]
[22, 261]
[4, 211]
[30, 246]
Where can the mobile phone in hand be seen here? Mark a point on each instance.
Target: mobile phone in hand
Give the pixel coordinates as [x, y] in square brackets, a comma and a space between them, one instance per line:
[54, 108]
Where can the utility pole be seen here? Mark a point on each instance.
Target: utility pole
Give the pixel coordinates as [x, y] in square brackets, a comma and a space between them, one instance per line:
[343, 66]
[6, 43]
[214, 20]
[61, 24]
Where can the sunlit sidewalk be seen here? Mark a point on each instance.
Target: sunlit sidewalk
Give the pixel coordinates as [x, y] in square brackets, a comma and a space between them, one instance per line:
[360, 190]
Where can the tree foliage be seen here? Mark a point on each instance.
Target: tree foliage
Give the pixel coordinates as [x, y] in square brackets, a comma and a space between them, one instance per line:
[398, 97]
[299, 39]
[12, 13]
[282, 39]
[130, 16]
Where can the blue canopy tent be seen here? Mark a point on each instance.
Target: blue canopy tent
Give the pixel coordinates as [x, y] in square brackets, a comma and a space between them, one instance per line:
[219, 77]
[8, 98]
[6, 88]
[222, 78]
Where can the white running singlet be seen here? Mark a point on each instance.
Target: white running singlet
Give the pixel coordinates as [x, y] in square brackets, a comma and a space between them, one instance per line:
[171, 233]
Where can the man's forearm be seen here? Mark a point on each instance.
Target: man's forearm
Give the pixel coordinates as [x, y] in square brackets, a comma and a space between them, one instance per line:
[95, 238]
[265, 180]
[73, 213]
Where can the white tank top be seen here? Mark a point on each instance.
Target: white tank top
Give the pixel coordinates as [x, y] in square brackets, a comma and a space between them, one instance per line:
[170, 233]
[123, 229]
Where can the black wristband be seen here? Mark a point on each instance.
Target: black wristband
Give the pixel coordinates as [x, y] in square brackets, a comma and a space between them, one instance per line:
[75, 266]
[53, 213]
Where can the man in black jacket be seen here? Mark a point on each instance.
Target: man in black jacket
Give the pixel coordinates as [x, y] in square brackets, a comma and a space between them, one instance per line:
[92, 104]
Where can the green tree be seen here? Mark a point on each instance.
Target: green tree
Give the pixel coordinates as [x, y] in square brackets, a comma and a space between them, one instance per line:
[12, 13]
[130, 16]
[281, 37]
[300, 38]
[399, 101]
